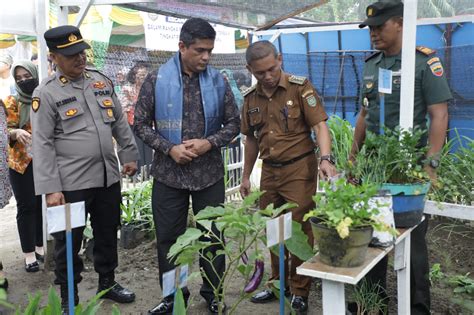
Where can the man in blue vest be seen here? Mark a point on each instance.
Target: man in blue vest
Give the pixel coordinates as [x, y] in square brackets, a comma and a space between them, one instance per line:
[186, 112]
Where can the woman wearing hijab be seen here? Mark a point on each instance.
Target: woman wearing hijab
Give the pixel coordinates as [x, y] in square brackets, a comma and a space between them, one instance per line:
[29, 216]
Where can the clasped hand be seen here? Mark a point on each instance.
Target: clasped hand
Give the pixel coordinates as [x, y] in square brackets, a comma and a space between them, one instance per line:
[188, 150]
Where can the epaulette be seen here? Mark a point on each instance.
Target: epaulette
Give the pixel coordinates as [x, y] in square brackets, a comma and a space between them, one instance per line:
[425, 50]
[106, 77]
[249, 90]
[296, 79]
[373, 55]
[47, 80]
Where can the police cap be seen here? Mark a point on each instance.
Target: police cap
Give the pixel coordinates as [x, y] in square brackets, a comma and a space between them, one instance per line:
[379, 12]
[66, 40]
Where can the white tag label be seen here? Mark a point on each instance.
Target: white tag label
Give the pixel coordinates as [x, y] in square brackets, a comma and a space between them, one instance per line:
[56, 217]
[385, 81]
[273, 229]
[169, 280]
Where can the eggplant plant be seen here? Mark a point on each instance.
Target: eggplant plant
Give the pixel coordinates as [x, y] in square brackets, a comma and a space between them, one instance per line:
[243, 231]
[53, 305]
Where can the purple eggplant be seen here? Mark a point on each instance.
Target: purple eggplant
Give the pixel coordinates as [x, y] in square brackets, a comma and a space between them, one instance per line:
[256, 277]
[245, 258]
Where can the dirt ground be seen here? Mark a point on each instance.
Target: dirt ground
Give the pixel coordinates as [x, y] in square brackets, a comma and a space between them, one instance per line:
[451, 245]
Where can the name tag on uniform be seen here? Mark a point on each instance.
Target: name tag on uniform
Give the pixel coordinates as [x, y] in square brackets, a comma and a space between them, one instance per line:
[253, 110]
[385, 81]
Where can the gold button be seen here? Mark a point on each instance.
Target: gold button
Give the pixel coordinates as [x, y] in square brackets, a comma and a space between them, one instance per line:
[271, 131]
[270, 99]
[271, 116]
[271, 148]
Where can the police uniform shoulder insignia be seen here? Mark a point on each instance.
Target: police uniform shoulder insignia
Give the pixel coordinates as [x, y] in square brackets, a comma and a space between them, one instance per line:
[296, 79]
[63, 79]
[249, 90]
[372, 56]
[425, 50]
[35, 104]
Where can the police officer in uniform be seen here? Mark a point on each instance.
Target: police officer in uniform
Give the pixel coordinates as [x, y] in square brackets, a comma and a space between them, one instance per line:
[385, 20]
[278, 115]
[75, 115]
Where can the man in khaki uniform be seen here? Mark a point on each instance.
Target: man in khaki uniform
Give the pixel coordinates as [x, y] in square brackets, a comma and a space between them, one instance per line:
[75, 116]
[278, 116]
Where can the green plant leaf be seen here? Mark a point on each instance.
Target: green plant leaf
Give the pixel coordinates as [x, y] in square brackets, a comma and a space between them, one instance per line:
[115, 310]
[191, 235]
[179, 306]
[297, 244]
[54, 302]
[210, 212]
[33, 304]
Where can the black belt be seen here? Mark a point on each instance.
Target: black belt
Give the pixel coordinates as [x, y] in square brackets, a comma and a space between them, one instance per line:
[281, 164]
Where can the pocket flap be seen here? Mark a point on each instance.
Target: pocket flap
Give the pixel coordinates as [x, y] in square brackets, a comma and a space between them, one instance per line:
[105, 102]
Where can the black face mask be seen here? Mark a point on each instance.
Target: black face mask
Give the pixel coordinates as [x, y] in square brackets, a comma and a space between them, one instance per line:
[28, 86]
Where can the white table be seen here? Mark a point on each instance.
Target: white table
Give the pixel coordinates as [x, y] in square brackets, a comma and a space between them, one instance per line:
[334, 278]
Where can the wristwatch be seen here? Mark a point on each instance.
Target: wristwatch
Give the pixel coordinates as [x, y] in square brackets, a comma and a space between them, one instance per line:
[330, 158]
[433, 163]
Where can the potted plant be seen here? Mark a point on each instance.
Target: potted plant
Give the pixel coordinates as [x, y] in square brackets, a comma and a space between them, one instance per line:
[343, 222]
[137, 216]
[394, 160]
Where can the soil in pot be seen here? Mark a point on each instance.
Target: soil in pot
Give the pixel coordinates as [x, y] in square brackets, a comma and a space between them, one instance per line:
[338, 252]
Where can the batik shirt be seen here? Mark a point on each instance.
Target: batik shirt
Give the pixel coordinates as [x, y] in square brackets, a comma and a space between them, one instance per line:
[203, 171]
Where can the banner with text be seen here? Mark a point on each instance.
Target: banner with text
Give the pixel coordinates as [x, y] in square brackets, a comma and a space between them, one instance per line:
[162, 33]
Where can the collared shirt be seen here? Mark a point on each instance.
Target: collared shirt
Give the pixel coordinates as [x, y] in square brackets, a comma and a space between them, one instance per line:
[282, 122]
[19, 155]
[203, 171]
[431, 87]
[74, 123]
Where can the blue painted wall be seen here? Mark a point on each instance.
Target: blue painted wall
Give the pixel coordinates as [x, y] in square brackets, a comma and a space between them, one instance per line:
[294, 48]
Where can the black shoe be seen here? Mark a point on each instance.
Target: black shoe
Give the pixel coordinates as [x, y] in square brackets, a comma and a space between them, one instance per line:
[39, 257]
[266, 296]
[213, 307]
[116, 293]
[299, 304]
[165, 307]
[33, 267]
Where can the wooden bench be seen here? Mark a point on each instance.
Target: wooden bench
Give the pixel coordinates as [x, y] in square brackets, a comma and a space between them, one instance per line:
[334, 278]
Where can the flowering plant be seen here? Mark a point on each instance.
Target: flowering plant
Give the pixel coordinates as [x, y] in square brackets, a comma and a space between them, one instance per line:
[344, 206]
